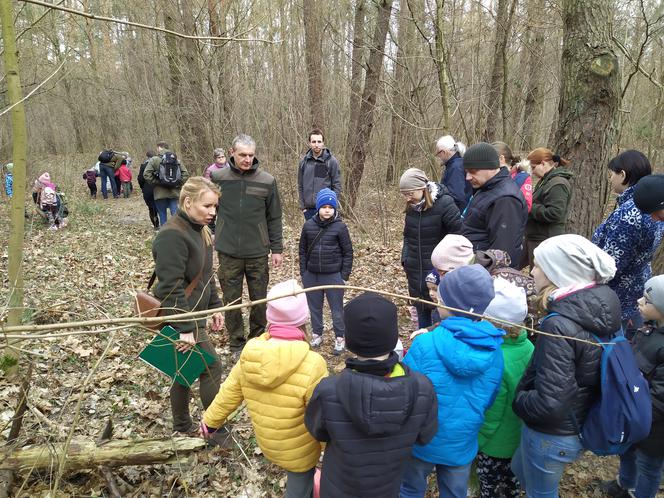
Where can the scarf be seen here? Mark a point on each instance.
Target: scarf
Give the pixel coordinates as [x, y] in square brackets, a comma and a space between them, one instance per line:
[287, 332]
[380, 368]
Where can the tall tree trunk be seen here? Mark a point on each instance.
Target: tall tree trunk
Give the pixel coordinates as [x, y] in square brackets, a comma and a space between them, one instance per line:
[441, 65]
[359, 144]
[357, 62]
[494, 115]
[534, 104]
[400, 138]
[313, 46]
[19, 158]
[589, 101]
[172, 56]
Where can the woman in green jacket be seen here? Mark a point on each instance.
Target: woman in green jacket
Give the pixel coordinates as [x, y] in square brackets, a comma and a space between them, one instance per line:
[551, 198]
[182, 252]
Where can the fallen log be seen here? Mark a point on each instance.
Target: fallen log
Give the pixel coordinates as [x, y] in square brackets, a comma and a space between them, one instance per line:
[85, 454]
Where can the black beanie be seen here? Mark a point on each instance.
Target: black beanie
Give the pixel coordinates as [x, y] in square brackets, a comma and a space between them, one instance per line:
[371, 325]
[649, 193]
[481, 156]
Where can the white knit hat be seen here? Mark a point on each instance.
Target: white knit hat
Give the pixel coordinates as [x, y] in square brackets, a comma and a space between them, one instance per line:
[571, 259]
[452, 252]
[510, 303]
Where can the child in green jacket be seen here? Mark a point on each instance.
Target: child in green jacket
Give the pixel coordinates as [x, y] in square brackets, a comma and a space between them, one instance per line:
[500, 435]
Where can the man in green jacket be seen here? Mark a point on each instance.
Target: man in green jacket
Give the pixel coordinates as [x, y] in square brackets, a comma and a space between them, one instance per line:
[165, 196]
[249, 228]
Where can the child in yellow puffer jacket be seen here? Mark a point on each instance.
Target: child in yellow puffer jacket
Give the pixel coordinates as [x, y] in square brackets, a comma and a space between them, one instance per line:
[276, 376]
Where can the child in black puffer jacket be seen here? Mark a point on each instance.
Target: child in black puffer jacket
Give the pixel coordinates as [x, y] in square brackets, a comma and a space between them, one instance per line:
[326, 258]
[641, 466]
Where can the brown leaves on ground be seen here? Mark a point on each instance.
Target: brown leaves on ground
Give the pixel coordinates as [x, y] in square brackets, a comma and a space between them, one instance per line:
[89, 270]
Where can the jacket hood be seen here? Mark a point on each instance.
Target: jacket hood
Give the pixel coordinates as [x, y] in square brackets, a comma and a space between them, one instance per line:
[254, 166]
[560, 171]
[377, 405]
[596, 309]
[269, 363]
[436, 190]
[470, 352]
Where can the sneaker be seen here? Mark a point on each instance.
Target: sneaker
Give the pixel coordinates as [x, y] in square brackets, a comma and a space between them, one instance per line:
[339, 346]
[63, 223]
[316, 341]
[52, 227]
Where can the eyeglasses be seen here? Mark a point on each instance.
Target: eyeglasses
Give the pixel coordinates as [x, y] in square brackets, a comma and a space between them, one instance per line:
[409, 193]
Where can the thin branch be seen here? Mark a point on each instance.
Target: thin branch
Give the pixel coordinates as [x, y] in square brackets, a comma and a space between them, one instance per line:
[629, 57]
[145, 26]
[249, 304]
[34, 89]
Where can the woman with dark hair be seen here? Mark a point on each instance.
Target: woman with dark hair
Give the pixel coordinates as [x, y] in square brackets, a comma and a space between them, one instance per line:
[629, 235]
[430, 215]
[551, 198]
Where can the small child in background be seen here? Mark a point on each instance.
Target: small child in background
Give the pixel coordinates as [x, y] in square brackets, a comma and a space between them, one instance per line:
[47, 200]
[641, 466]
[90, 177]
[501, 432]
[124, 175]
[463, 360]
[372, 413]
[276, 376]
[9, 179]
[326, 258]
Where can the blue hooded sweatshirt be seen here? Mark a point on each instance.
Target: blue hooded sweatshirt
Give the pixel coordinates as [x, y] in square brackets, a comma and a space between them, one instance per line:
[463, 360]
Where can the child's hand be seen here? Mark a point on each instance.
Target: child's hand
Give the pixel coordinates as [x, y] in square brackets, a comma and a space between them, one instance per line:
[217, 322]
[418, 332]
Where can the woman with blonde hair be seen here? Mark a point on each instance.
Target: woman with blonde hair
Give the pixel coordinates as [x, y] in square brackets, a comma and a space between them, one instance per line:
[182, 252]
[430, 215]
[551, 199]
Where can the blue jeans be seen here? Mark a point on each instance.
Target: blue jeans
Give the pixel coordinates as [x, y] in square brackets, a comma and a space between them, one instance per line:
[426, 314]
[107, 172]
[640, 472]
[335, 298]
[300, 484]
[452, 481]
[540, 460]
[162, 205]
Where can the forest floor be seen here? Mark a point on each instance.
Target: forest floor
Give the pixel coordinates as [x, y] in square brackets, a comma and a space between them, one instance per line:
[90, 270]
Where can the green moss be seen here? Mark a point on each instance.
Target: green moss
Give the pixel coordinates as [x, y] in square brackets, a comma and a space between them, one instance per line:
[603, 65]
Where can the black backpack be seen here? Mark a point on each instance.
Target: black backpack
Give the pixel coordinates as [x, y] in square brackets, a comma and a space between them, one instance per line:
[105, 156]
[170, 174]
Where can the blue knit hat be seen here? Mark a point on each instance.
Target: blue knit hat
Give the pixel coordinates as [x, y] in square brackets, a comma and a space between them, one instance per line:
[468, 288]
[326, 197]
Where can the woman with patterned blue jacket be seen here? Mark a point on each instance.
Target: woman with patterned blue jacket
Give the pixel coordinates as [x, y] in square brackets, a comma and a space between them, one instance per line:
[629, 235]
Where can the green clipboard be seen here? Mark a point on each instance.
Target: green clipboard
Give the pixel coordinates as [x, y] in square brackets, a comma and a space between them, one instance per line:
[184, 368]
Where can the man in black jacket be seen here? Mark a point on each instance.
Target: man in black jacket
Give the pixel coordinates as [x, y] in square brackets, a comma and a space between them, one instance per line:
[374, 411]
[496, 214]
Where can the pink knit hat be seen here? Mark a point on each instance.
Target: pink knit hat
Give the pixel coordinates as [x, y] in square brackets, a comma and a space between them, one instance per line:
[45, 178]
[452, 252]
[289, 310]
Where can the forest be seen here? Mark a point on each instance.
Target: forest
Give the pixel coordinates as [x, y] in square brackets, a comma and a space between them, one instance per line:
[383, 79]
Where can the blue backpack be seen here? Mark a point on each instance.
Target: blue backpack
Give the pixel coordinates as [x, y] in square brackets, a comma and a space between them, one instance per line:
[623, 413]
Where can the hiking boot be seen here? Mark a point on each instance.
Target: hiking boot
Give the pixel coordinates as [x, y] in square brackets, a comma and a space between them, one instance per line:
[316, 340]
[339, 346]
[614, 490]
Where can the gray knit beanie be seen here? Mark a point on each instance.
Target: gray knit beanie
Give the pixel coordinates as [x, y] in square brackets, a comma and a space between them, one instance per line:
[481, 156]
[413, 179]
[654, 292]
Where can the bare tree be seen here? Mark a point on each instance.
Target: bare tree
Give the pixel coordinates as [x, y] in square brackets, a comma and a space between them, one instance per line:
[589, 101]
[535, 39]
[359, 143]
[313, 55]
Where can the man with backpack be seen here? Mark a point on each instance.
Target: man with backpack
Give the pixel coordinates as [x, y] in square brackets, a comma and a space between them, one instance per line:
[109, 162]
[318, 169]
[166, 174]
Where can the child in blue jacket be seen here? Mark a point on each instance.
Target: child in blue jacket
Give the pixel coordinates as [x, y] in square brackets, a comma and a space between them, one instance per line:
[463, 360]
